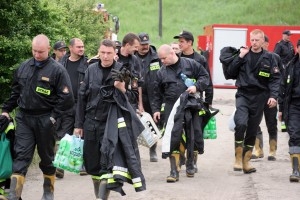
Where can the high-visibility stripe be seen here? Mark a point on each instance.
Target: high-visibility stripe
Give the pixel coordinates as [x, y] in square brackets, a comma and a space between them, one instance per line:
[124, 174]
[43, 91]
[137, 185]
[96, 177]
[10, 126]
[264, 74]
[202, 112]
[121, 122]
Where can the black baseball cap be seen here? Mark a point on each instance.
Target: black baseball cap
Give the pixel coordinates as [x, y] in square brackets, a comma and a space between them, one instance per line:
[186, 35]
[144, 37]
[287, 32]
[118, 43]
[59, 45]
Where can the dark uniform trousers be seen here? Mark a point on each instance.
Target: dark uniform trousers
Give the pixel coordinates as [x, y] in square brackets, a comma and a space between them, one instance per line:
[271, 122]
[248, 114]
[34, 130]
[294, 127]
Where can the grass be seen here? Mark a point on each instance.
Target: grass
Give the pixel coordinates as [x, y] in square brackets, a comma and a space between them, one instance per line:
[142, 15]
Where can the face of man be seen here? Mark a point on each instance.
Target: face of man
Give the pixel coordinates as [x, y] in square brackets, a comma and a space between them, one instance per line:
[106, 55]
[286, 37]
[184, 44]
[143, 49]
[77, 49]
[257, 41]
[40, 50]
[175, 47]
[131, 49]
[59, 53]
[166, 58]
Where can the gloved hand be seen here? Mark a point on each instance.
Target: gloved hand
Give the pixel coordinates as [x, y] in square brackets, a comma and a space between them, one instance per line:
[116, 75]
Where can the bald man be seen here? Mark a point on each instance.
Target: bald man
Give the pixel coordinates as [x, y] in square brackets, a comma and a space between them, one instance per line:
[169, 86]
[42, 91]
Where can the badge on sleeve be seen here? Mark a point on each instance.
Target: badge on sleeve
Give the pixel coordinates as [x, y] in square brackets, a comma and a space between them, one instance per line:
[276, 70]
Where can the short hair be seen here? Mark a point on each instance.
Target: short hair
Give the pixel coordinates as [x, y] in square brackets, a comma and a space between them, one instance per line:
[257, 31]
[108, 43]
[129, 38]
[72, 41]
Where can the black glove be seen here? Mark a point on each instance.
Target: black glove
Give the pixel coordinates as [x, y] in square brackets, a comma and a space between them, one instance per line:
[116, 75]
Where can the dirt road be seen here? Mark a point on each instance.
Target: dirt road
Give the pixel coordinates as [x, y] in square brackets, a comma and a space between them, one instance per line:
[215, 180]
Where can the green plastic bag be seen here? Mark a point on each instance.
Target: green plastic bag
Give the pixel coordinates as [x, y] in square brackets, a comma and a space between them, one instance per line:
[70, 154]
[210, 130]
[5, 157]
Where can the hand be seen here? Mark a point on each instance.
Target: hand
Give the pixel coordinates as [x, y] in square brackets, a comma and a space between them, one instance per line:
[279, 116]
[78, 132]
[6, 115]
[120, 85]
[116, 75]
[156, 117]
[271, 102]
[192, 89]
[243, 51]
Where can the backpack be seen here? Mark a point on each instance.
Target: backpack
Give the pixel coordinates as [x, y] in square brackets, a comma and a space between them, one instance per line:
[227, 55]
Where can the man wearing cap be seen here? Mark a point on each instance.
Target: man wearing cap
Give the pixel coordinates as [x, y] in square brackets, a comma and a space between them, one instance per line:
[148, 57]
[289, 110]
[186, 40]
[284, 48]
[59, 50]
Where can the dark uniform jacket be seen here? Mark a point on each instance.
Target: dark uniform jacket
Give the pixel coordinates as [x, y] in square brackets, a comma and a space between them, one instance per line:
[290, 87]
[209, 91]
[150, 65]
[40, 89]
[285, 50]
[170, 86]
[264, 76]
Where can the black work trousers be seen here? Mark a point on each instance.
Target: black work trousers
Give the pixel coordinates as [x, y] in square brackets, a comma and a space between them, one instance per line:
[293, 126]
[248, 114]
[34, 131]
[271, 122]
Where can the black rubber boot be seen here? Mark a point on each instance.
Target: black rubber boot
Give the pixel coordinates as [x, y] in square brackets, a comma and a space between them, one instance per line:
[16, 187]
[190, 170]
[174, 173]
[96, 183]
[103, 191]
[295, 177]
[195, 161]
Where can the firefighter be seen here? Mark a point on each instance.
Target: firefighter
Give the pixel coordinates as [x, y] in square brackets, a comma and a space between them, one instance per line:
[258, 79]
[289, 110]
[95, 116]
[169, 86]
[42, 90]
[147, 56]
[284, 48]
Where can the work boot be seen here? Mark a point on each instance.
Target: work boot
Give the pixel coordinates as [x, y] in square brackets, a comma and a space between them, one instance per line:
[16, 186]
[195, 161]
[174, 173]
[96, 183]
[190, 170]
[273, 148]
[238, 156]
[82, 171]
[152, 152]
[59, 173]
[259, 152]
[247, 168]
[2, 197]
[103, 191]
[182, 158]
[295, 177]
[48, 187]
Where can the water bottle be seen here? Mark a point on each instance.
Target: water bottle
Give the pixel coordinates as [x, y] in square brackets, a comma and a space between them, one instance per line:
[187, 81]
[210, 130]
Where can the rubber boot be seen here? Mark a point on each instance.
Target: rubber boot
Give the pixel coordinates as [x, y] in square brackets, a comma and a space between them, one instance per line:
[273, 148]
[16, 186]
[247, 168]
[103, 191]
[96, 183]
[295, 177]
[174, 173]
[59, 173]
[190, 170]
[48, 187]
[195, 161]
[82, 171]
[258, 152]
[152, 152]
[182, 158]
[238, 156]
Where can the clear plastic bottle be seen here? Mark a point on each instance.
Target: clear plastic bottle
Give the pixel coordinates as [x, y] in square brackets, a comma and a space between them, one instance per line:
[283, 126]
[187, 81]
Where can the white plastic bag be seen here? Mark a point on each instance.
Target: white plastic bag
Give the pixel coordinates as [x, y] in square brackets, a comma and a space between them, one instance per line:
[231, 123]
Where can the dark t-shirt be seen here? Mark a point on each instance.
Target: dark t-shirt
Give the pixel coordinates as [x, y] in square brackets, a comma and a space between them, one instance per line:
[73, 73]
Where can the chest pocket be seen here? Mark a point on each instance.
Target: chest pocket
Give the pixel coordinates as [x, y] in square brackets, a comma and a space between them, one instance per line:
[44, 85]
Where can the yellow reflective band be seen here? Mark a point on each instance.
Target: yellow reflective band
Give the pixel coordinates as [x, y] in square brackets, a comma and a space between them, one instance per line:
[11, 126]
[239, 142]
[202, 112]
[43, 91]
[154, 67]
[137, 185]
[194, 80]
[250, 146]
[97, 177]
[110, 180]
[264, 74]
[175, 152]
[121, 125]
[124, 174]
